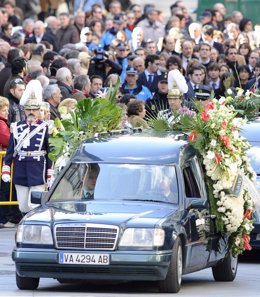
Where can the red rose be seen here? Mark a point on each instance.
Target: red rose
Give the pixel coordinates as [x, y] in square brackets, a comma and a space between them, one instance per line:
[246, 245]
[210, 105]
[248, 214]
[204, 115]
[224, 124]
[225, 140]
[193, 136]
[217, 158]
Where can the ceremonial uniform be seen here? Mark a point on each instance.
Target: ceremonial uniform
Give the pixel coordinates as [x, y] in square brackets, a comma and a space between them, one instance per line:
[168, 115]
[31, 159]
[28, 147]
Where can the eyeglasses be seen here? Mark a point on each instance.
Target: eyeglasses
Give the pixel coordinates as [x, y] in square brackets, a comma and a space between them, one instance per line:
[135, 10]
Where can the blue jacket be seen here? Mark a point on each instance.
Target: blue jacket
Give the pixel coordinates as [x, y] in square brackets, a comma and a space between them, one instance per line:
[124, 65]
[110, 35]
[29, 170]
[140, 92]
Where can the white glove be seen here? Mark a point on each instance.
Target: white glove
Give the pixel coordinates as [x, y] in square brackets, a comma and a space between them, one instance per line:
[102, 94]
[6, 177]
[50, 177]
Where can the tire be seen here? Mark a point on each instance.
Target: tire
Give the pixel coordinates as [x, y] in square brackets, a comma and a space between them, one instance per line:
[226, 271]
[27, 283]
[172, 282]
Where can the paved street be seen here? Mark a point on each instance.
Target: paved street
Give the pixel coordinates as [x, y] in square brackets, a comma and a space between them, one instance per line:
[196, 284]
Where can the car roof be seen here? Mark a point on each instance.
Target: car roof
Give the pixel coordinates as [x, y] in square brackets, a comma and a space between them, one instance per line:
[143, 148]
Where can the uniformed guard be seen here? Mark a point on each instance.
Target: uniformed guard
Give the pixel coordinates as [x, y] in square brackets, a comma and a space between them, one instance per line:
[175, 99]
[28, 147]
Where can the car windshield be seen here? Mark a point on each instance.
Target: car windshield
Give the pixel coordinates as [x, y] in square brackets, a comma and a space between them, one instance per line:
[117, 182]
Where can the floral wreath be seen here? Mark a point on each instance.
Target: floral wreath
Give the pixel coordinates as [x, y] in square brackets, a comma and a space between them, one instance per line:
[214, 132]
[215, 135]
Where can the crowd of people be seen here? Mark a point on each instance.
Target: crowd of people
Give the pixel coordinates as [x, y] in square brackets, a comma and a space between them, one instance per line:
[60, 57]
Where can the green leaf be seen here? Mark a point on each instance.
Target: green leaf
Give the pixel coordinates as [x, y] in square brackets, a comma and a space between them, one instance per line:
[90, 117]
[159, 124]
[56, 145]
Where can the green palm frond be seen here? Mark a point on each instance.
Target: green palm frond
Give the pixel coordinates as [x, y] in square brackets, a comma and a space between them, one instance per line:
[228, 82]
[248, 108]
[112, 92]
[90, 117]
[159, 124]
[185, 123]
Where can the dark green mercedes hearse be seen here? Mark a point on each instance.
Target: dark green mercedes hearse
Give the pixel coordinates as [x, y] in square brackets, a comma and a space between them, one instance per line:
[126, 207]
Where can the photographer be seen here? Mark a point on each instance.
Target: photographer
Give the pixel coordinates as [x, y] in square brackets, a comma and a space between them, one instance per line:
[101, 65]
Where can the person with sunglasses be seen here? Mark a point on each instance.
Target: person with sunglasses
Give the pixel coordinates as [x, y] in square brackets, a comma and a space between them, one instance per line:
[16, 90]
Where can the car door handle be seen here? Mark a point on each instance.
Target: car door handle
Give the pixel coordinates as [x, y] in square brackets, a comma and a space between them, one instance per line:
[211, 216]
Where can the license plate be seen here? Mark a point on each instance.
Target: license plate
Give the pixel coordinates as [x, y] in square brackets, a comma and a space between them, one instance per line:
[258, 237]
[84, 259]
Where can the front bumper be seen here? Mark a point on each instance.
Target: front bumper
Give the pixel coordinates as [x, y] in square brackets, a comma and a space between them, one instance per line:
[124, 265]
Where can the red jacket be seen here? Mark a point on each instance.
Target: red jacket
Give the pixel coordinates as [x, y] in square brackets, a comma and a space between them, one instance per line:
[4, 133]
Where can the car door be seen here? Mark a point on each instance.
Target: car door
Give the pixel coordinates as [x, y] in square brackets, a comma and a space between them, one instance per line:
[197, 222]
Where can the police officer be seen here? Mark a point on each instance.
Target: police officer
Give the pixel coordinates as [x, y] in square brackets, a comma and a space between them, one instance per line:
[28, 147]
[159, 100]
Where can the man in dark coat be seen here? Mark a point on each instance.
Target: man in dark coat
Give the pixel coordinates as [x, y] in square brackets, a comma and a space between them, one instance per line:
[65, 82]
[67, 33]
[6, 72]
[16, 112]
[52, 95]
[39, 35]
[150, 77]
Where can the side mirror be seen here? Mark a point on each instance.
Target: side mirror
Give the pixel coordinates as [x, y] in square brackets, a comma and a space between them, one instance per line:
[197, 203]
[37, 197]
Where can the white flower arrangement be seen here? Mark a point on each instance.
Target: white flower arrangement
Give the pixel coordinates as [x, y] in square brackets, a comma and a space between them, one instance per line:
[214, 132]
[216, 136]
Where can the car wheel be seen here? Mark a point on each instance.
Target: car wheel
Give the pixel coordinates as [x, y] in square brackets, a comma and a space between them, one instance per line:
[226, 270]
[172, 282]
[27, 283]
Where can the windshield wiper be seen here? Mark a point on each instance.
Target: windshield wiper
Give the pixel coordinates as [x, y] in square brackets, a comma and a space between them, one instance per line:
[147, 200]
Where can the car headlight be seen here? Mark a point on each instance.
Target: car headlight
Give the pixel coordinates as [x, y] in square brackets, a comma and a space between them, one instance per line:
[34, 234]
[142, 237]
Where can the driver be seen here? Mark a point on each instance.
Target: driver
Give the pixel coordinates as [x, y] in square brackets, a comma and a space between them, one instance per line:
[166, 191]
[90, 181]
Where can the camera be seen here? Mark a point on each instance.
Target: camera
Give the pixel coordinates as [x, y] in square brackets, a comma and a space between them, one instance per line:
[100, 54]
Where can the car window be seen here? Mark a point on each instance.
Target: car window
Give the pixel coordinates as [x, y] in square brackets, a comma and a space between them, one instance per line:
[118, 182]
[190, 183]
[199, 176]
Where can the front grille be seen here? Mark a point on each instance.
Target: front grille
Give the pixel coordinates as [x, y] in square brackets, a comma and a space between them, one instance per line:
[90, 270]
[86, 236]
